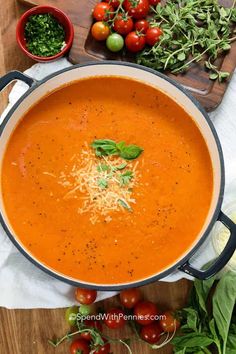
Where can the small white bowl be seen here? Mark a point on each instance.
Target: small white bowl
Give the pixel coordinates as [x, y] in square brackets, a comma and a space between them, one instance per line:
[220, 235]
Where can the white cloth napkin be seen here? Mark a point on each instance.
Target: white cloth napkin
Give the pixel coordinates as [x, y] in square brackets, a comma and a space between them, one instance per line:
[22, 285]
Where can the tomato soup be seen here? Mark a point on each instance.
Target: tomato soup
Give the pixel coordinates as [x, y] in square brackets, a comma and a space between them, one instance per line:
[107, 219]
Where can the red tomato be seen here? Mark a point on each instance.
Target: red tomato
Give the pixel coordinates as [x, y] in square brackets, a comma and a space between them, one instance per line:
[169, 323]
[135, 42]
[113, 3]
[137, 9]
[103, 11]
[151, 333]
[154, 2]
[130, 297]
[105, 349]
[141, 26]
[153, 35]
[115, 318]
[100, 31]
[145, 311]
[123, 24]
[79, 345]
[91, 324]
[85, 296]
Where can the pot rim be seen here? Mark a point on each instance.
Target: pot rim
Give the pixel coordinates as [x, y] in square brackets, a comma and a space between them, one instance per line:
[182, 261]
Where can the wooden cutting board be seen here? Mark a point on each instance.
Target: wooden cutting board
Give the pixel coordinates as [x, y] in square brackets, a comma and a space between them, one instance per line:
[209, 93]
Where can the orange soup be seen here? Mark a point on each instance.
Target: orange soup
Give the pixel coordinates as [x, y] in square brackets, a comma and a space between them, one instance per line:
[107, 219]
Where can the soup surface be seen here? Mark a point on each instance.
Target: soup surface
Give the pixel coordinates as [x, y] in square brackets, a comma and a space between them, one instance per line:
[106, 219]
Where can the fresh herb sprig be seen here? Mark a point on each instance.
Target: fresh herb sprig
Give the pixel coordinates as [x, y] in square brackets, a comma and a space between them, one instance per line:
[209, 320]
[106, 147]
[193, 30]
[45, 37]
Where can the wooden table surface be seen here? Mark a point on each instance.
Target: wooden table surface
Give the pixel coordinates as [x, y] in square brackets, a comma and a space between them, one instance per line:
[27, 331]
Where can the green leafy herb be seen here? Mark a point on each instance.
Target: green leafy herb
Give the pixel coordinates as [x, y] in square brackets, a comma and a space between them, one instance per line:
[124, 204]
[102, 183]
[209, 319]
[106, 147]
[45, 37]
[125, 178]
[102, 167]
[193, 30]
[121, 166]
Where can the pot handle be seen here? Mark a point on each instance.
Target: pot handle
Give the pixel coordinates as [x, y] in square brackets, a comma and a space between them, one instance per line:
[223, 258]
[15, 75]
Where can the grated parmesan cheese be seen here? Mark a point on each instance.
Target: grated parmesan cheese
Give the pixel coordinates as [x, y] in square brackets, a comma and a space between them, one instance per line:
[82, 179]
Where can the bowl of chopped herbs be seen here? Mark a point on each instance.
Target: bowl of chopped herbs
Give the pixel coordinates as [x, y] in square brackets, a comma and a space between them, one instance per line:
[44, 33]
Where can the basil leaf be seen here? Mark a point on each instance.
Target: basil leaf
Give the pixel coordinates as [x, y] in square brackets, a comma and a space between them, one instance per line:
[126, 177]
[124, 204]
[223, 302]
[231, 344]
[109, 147]
[192, 340]
[130, 152]
[202, 289]
[102, 183]
[192, 318]
[103, 168]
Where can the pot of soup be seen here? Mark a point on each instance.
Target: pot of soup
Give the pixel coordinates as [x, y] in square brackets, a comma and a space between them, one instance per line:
[112, 176]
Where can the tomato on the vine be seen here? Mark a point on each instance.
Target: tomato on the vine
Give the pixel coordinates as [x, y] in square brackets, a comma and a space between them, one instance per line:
[141, 26]
[151, 333]
[103, 349]
[113, 3]
[85, 296]
[153, 35]
[115, 318]
[115, 42]
[145, 312]
[130, 297]
[91, 324]
[123, 24]
[169, 323]
[103, 11]
[137, 9]
[79, 346]
[135, 42]
[71, 315]
[154, 2]
[100, 31]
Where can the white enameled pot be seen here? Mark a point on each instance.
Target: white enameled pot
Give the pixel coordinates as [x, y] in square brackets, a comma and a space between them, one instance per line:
[37, 90]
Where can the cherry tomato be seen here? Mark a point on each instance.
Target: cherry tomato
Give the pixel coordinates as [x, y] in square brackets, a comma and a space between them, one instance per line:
[141, 26]
[91, 324]
[115, 42]
[137, 9]
[79, 345]
[71, 315]
[100, 31]
[123, 24]
[168, 322]
[153, 35]
[115, 319]
[113, 3]
[145, 312]
[135, 42]
[130, 297]
[103, 11]
[105, 349]
[151, 333]
[85, 296]
[154, 2]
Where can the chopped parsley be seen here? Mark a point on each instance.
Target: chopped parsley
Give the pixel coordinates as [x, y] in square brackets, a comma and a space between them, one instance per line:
[44, 35]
